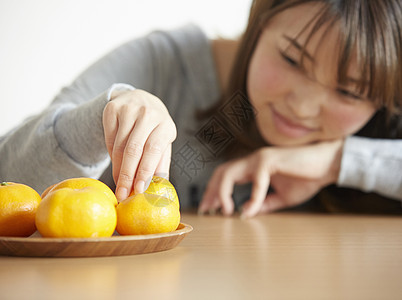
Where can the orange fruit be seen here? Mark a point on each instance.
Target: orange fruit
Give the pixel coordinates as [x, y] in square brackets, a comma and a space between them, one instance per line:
[162, 187]
[81, 182]
[77, 207]
[47, 190]
[147, 214]
[18, 205]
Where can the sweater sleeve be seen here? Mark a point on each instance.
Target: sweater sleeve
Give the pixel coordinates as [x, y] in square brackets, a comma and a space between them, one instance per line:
[66, 139]
[372, 165]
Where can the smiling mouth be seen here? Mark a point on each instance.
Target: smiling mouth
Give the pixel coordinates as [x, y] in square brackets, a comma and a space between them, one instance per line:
[289, 128]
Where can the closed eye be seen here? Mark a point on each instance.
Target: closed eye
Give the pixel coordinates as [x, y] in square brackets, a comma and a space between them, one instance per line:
[349, 94]
[289, 60]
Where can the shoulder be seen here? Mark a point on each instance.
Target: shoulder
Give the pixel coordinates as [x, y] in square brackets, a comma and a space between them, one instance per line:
[187, 38]
[183, 60]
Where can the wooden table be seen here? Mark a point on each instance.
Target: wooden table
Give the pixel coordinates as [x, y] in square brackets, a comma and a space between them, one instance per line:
[280, 256]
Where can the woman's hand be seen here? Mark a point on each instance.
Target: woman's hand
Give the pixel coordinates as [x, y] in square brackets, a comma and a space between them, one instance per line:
[139, 133]
[295, 173]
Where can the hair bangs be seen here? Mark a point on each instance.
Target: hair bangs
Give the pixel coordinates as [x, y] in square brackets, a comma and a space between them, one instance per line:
[365, 36]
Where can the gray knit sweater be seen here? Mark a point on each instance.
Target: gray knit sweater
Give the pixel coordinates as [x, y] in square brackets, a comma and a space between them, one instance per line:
[66, 139]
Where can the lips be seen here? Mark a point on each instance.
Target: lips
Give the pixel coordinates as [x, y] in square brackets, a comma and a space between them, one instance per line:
[288, 127]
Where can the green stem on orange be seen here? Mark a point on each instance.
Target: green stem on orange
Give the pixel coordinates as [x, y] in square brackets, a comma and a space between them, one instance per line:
[4, 183]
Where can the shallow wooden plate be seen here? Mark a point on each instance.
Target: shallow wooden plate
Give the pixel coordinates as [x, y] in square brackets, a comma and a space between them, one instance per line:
[92, 247]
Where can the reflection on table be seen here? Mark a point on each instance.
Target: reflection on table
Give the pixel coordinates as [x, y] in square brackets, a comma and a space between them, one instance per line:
[279, 256]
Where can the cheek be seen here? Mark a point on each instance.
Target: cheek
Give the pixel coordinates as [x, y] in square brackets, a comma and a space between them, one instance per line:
[344, 120]
[265, 80]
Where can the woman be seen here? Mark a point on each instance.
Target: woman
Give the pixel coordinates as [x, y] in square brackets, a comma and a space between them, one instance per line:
[335, 74]
[304, 77]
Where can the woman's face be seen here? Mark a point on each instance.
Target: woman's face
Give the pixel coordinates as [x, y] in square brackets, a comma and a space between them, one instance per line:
[299, 102]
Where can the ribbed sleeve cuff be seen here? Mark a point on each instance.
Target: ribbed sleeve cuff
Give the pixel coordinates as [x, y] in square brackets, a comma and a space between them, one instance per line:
[119, 87]
[372, 166]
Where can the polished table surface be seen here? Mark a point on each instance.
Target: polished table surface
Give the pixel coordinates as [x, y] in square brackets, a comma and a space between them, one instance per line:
[279, 256]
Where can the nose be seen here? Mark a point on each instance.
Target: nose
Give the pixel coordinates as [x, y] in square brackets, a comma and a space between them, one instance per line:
[306, 99]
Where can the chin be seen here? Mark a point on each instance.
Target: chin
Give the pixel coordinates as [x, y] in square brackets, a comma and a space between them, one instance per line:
[275, 139]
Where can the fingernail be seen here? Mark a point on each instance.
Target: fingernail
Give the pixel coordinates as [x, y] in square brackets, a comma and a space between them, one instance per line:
[121, 193]
[140, 187]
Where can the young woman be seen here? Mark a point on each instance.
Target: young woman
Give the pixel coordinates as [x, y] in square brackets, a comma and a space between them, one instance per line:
[308, 97]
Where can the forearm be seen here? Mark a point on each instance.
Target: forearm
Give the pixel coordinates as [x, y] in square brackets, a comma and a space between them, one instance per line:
[66, 140]
[43, 150]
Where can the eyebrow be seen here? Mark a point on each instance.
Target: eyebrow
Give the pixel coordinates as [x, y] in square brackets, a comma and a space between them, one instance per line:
[296, 44]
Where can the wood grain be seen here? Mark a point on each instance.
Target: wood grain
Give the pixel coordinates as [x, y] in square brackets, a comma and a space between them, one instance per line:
[278, 256]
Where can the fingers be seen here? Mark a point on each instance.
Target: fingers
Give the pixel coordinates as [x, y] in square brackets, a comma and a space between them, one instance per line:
[127, 152]
[138, 135]
[218, 195]
[209, 201]
[126, 157]
[258, 194]
[143, 153]
[162, 170]
[220, 187]
[155, 158]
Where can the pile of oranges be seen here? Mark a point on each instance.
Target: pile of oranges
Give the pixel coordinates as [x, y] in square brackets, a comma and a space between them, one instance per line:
[86, 207]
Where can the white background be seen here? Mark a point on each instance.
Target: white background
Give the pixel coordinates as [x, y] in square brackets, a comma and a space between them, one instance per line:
[45, 44]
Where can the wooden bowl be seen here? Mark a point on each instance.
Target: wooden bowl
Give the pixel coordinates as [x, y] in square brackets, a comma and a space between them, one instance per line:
[36, 246]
